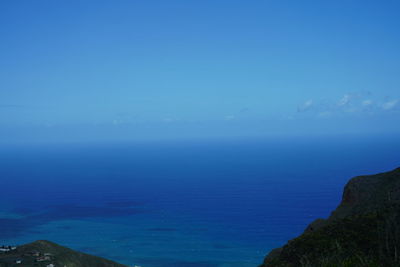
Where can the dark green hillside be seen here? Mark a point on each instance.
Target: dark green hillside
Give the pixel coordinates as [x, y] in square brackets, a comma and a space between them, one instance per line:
[363, 231]
[51, 253]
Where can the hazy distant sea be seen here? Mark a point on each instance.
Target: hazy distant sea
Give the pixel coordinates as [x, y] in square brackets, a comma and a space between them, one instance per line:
[164, 204]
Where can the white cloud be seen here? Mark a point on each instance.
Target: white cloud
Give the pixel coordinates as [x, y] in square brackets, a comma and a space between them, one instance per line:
[230, 117]
[168, 120]
[305, 106]
[359, 104]
[344, 100]
[324, 114]
[367, 102]
[390, 104]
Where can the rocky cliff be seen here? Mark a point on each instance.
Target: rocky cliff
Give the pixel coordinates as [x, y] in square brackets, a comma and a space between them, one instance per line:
[364, 230]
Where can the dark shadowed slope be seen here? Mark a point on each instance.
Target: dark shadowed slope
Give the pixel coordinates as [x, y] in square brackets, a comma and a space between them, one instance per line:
[364, 230]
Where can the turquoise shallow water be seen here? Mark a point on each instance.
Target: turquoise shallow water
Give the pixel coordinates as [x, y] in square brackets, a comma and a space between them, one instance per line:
[195, 204]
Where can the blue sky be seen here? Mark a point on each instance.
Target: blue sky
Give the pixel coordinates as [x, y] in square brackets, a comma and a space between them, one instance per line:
[139, 70]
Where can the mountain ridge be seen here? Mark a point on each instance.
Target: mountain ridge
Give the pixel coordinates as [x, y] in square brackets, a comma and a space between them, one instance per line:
[45, 253]
[364, 230]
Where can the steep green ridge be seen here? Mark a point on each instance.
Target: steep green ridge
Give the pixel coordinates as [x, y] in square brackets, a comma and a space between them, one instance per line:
[57, 255]
[364, 230]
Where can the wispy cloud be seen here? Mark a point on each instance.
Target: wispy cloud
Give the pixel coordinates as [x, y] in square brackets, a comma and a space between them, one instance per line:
[12, 106]
[305, 106]
[390, 104]
[367, 102]
[349, 103]
[230, 117]
[345, 100]
[168, 120]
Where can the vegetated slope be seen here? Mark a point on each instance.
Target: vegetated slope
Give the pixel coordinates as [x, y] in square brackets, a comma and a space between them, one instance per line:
[58, 255]
[364, 230]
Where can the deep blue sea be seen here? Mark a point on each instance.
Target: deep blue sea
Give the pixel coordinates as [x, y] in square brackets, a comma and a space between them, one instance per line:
[187, 203]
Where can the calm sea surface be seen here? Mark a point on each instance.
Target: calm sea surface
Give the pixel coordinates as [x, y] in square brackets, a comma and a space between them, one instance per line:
[200, 204]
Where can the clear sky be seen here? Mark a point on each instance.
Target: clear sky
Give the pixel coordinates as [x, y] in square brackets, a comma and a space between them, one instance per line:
[136, 70]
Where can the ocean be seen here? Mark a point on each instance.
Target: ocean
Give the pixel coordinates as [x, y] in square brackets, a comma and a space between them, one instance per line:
[215, 203]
